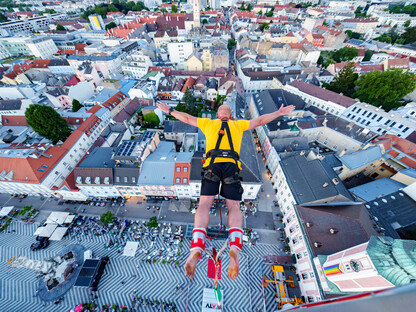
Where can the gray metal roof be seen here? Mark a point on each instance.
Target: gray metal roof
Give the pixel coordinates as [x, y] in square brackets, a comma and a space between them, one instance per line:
[394, 211]
[100, 157]
[361, 158]
[376, 189]
[313, 181]
[176, 126]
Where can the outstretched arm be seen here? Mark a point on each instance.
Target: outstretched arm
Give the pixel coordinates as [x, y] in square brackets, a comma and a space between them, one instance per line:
[265, 119]
[184, 117]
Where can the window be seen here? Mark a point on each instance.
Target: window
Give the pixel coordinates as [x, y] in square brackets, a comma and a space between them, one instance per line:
[178, 169]
[305, 253]
[401, 126]
[358, 119]
[388, 120]
[185, 169]
[393, 123]
[117, 179]
[405, 129]
[305, 276]
[369, 114]
[125, 180]
[359, 110]
[178, 180]
[311, 274]
[185, 180]
[133, 179]
[379, 118]
[299, 256]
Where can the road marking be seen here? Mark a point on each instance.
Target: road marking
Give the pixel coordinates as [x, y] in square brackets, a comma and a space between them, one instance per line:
[44, 202]
[7, 201]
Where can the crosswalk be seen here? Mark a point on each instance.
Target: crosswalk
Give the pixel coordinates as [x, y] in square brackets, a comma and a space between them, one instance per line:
[125, 277]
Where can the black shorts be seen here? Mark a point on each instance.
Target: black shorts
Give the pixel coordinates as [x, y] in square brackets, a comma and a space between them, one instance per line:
[232, 191]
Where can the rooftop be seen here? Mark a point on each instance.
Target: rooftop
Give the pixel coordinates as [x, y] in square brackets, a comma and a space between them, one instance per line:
[313, 181]
[100, 157]
[361, 158]
[352, 224]
[376, 189]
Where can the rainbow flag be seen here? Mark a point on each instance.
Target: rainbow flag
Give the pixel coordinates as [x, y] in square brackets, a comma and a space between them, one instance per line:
[333, 269]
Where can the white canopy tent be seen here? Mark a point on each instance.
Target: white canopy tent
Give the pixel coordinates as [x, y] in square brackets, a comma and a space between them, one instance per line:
[57, 217]
[69, 218]
[59, 233]
[5, 211]
[130, 249]
[45, 231]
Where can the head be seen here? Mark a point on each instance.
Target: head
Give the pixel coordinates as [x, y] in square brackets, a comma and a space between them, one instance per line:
[224, 111]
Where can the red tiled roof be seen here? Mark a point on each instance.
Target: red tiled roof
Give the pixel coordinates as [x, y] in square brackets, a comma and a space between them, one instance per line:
[401, 145]
[94, 109]
[360, 20]
[114, 101]
[73, 81]
[165, 70]
[322, 93]
[13, 120]
[40, 63]
[189, 83]
[290, 34]
[296, 45]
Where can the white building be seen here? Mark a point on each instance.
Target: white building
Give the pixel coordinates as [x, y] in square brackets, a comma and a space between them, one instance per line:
[380, 121]
[96, 22]
[40, 169]
[180, 51]
[39, 46]
[136, 65]
[321, 98]
[28, 24]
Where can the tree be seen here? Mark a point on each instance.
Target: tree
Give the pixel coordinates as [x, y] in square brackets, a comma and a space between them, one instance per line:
[249, 7]
[204, 21]
[344, 81]
[76, 105]
[231, 44]
[264, 26]
[218, 101]
[260, 13]
[60, 27]
[407, 23]
[174, 9]
[110, 25]
[345, 54]
[152, 119]
[367, 55]
[189, 101]
[409, 35]
[270, 13]
[242, 7]
[353, 35]
[2, 18]
[386, 88]
[47, 122]
[152, 223]
[107, 217]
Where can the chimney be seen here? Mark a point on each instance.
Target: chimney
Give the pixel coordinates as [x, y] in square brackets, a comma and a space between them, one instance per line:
[342, 153]
[325, 184]
[309, 224]
[333, 231]
[325, 122]
[316, 244]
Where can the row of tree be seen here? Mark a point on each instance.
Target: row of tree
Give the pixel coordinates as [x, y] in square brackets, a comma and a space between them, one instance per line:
[407, 9]
[393, 37]
[115, 6]
[342, 55]
[378, 88]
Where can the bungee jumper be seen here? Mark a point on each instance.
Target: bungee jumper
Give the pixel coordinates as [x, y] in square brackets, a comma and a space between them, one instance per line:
[220, 169]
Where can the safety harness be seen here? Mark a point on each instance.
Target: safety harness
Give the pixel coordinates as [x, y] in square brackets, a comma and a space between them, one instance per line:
[207, 172]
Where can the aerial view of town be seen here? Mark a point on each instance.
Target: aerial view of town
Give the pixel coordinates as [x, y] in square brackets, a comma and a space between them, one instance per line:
[207, 155]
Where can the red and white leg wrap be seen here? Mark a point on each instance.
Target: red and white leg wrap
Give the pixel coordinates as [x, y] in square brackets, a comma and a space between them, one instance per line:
[235, 236]
[198, 239]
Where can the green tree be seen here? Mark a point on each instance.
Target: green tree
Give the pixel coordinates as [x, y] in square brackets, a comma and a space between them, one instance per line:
[204, 21]
[407, 23]
[189, 101]
[76, 105]
[264, 26]
[386, 88]
[345, 54]
[152, 223]
[2, 18]
[152, 119]
[231, 44]
[249, 7]
[60, 27]
[260, 13]
[110, 25]
[409, 35]
[174, 9]
[353, 35]
[367, 55]
[107, 217]
[218, 101]
[344, 81]
[270, 13]
[47, 122]
[242, 7]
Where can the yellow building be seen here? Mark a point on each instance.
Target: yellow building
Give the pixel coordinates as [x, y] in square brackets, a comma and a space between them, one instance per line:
[206, 60]
[289, 38]
[194, 63]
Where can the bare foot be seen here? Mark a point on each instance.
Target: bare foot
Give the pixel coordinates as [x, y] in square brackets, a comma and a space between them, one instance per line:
[190, 264]
[233, 267]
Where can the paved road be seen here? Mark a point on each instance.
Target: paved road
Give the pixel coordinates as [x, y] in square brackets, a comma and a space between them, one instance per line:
[152, 281]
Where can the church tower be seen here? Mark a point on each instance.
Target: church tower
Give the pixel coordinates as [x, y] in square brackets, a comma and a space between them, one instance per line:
[197, 13]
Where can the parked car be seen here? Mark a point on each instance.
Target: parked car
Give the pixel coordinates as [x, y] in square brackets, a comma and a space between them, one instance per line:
[41, 243]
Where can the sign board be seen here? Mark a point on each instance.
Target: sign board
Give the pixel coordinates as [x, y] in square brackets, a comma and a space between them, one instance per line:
[209, 302]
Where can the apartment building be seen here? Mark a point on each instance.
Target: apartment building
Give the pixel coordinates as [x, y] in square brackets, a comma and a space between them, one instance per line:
[39, 46]
[179, 51]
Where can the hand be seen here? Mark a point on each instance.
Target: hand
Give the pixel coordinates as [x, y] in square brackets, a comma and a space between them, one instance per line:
[163, 107]
[285, 110]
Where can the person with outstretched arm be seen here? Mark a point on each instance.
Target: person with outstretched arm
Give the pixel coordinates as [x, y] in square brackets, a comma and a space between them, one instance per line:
[221, 176]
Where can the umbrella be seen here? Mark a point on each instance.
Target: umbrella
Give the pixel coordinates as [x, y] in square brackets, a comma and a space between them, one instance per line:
[78, 308]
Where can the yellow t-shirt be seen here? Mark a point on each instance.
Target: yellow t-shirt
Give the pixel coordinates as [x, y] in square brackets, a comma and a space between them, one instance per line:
[211, 127]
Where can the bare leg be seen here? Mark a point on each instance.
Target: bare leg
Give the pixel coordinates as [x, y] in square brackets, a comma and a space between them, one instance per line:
[201, 221]
[235, 219]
